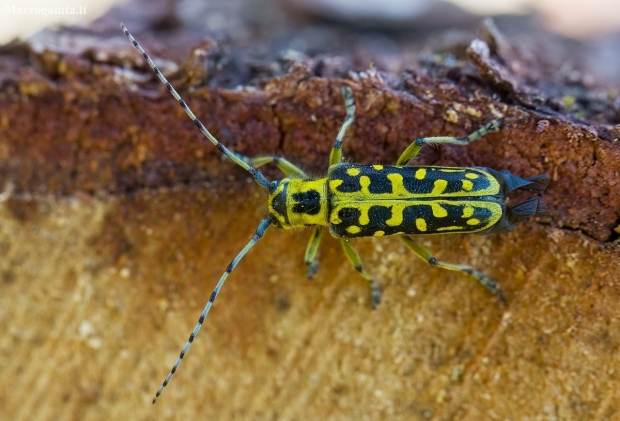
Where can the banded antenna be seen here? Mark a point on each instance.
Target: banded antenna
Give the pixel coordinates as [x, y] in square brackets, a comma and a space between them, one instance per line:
[258, 176]
[260, 231]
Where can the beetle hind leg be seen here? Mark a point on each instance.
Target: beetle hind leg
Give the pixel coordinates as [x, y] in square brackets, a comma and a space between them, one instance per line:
[421, 251]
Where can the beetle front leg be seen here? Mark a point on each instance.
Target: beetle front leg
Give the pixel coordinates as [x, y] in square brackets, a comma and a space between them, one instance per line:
[286, 166]
[311, 257]
[349, 102]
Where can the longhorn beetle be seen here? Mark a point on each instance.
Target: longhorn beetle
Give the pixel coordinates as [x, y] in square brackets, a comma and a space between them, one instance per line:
[355, 200]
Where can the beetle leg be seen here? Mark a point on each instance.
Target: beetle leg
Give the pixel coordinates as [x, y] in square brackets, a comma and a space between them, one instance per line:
[349, 102]
[311, 257]
[286, 166]
[426, 255]
[415, 147]
[354, 258]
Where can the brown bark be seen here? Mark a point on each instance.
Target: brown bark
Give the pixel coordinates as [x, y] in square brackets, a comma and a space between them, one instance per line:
[118, 218]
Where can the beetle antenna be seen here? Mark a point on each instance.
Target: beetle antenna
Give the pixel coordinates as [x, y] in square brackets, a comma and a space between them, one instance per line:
[260, 231]
[258, 176]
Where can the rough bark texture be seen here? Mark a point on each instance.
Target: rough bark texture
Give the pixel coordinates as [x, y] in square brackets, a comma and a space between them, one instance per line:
[118, 217]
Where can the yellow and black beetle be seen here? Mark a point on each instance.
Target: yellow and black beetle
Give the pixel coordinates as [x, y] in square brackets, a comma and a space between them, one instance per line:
[375, 200]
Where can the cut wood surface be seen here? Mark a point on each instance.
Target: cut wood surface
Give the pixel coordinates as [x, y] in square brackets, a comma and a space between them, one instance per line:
[118, 218]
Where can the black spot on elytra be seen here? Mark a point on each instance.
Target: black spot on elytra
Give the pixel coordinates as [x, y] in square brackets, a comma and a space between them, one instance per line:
[349, 215]
[379, 183]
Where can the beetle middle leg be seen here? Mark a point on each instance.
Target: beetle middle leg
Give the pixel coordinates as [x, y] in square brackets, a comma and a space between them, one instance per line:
[413, 149]
[354, 258]
[426, 255]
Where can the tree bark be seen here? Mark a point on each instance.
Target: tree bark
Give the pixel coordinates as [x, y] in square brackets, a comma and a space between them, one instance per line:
[119, 217]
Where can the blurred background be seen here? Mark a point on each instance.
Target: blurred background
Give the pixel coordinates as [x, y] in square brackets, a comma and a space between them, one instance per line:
[572, 18]
[561, 36]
